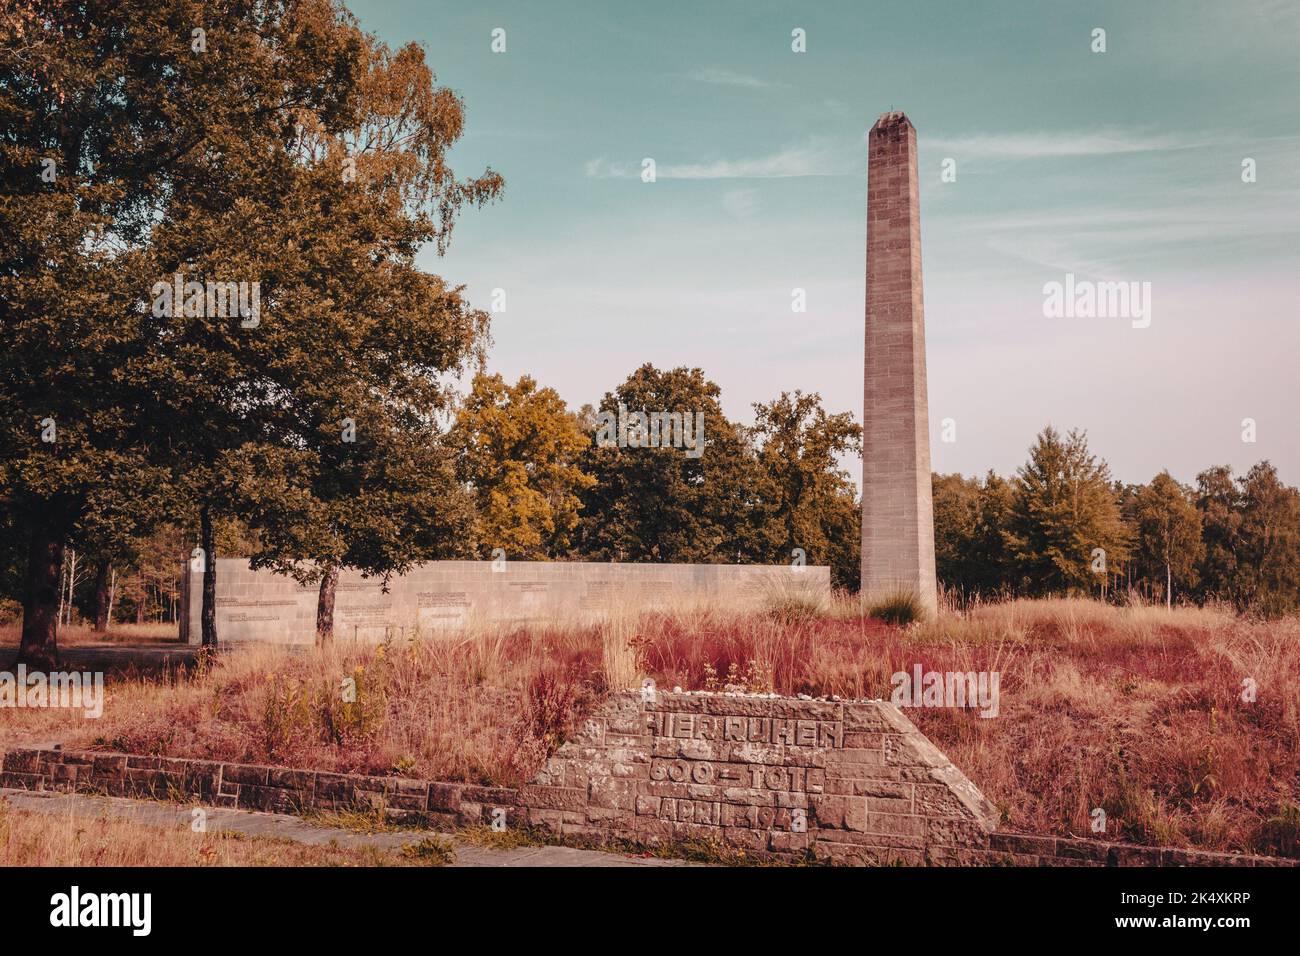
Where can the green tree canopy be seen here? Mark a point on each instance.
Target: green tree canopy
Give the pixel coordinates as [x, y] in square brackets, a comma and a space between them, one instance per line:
[1064, 510]
[281, 147]
[1168, 533]
[1219, 501]
[813, 499]
[971, 522]
[663, 504]
[1268, 572]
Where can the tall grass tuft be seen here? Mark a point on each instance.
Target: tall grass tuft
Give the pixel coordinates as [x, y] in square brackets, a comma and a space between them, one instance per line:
[899, 608]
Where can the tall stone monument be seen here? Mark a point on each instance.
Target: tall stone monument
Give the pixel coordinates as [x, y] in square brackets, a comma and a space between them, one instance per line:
[897, 510]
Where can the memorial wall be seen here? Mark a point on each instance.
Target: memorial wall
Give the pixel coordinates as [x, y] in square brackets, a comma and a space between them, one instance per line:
[451, 595]
[850, 781]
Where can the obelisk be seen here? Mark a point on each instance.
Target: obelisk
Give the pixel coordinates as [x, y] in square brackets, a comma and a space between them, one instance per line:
[897, 509]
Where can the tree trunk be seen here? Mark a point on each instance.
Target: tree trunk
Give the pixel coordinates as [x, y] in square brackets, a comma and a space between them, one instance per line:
[112, 596]
[208, 544]
[72, 582]
[63, 577]
[325, 608]
[39, 646]
[101, 598]
[1169, 588]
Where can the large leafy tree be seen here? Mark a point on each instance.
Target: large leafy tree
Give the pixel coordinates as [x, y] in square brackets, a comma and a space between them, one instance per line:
[662, 504]
[222, 156]
[519, 450]
[1168, 534]
[1268, 574]
[344, 189]
[1218, 499]
[1064, 511]
[344, 387]
[380, 504]
[813, 500]
[92, 119]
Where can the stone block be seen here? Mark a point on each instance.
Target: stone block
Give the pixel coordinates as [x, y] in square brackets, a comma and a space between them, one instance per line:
[243, 773]
[444, 797]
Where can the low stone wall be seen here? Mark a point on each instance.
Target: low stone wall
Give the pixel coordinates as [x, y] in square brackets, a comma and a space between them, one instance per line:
[252, 787]
[1023, 849]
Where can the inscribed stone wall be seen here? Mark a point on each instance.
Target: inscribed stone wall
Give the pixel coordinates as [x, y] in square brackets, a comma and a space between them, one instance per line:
[852, 781]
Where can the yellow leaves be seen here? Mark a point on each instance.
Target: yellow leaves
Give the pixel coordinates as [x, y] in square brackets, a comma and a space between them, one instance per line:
[519, 448]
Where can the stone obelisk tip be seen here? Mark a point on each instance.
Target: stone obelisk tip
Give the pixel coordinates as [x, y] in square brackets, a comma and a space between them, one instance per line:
[892, 118]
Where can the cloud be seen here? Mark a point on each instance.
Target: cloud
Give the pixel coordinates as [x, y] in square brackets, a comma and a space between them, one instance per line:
[720, 76]
[1053, 145]
[814, 159]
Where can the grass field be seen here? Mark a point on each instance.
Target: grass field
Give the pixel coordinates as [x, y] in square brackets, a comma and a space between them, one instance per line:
[1137, 711]
[32, 838]
[75, 635]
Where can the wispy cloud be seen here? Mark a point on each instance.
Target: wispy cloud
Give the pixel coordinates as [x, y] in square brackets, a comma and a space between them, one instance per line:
[813, 159]
[1052, 145]
[721, 76]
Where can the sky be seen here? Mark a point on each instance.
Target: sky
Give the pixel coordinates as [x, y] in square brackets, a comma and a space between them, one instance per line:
[1123, 165]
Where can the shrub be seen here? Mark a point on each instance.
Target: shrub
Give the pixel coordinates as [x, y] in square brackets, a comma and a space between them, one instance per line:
[902, 607]
[431, 850]
[793, 609]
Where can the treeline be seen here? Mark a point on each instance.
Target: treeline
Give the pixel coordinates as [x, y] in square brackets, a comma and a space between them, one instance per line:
[536, 481]
[549, 484]
[1061, 525]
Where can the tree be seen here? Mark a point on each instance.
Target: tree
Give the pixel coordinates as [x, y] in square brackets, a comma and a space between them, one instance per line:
[993, 566]
[1219, 501]
[813, 499]
[380, 504]
[519, 450]
[1168, 533]
[703, 504]
[956, 513]
[364, 477]
[222, 159]
[1268, 574]
[93, 116]
[344, 180]
[1064, 511]
[972, 519]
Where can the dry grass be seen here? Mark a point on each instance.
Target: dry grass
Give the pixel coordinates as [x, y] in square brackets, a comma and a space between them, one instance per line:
[484, 708]
[1134, 710]
[32, 838]
[75, 635]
